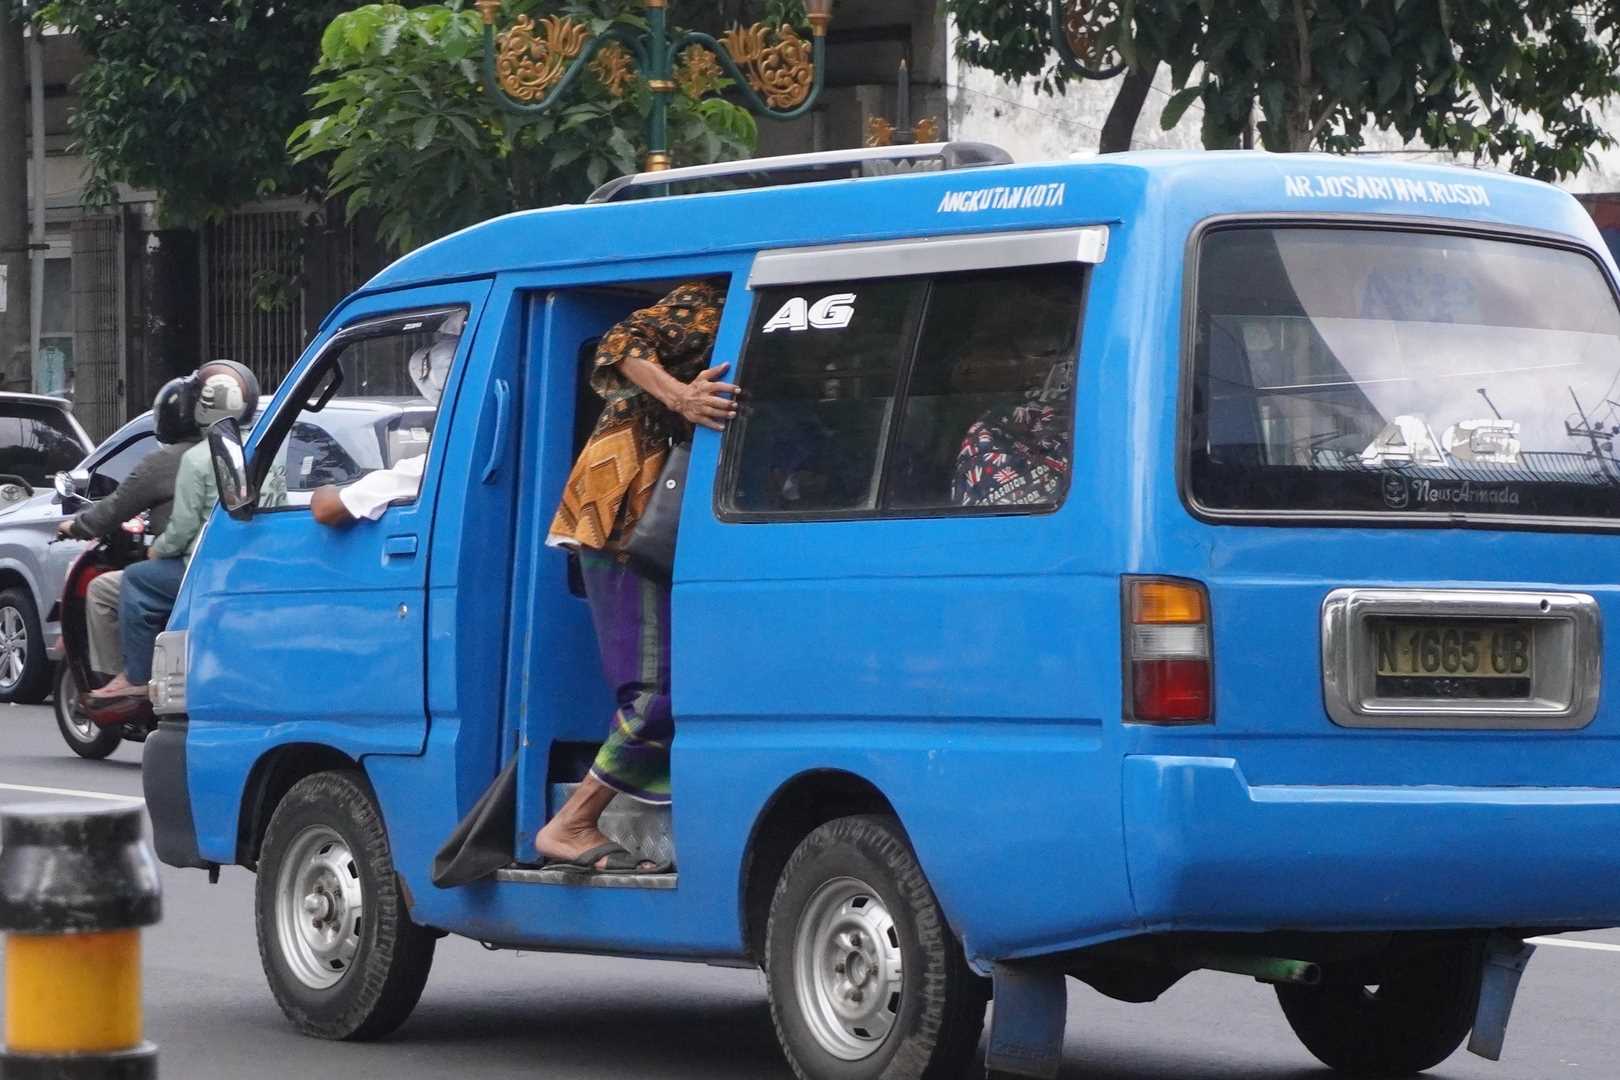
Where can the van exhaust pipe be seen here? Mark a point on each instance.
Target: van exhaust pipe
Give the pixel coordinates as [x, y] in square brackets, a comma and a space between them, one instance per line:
[1266, 969]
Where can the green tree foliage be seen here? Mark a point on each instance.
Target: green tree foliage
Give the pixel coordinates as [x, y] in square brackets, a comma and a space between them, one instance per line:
[401, 119]
[193, 99]
[1513, 82]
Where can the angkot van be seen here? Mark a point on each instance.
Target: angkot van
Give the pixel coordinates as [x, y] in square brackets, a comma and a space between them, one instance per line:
[1117, 569]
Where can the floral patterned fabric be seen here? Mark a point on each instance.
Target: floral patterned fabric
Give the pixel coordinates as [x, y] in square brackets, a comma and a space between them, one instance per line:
[608, 489]
[1016, 458]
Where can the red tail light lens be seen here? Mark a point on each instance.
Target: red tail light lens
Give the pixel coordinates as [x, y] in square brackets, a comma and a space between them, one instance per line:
[1167, 652]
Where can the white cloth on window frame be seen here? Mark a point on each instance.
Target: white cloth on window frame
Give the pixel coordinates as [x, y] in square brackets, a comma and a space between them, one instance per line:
[374, 492]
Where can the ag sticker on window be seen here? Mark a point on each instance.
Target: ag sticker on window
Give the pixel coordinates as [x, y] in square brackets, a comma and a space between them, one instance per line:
[833, 312]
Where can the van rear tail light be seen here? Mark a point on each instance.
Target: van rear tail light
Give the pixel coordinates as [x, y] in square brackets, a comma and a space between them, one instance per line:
[1167, 657]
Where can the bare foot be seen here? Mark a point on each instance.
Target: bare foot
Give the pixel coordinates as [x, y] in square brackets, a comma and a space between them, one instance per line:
[119, 687]
[572, 830]
[557, 841]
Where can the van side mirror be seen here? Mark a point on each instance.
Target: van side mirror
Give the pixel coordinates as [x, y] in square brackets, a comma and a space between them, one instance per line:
[230, 468]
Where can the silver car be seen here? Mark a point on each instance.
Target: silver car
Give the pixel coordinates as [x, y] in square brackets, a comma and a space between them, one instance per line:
[346, 440]
[39, 438]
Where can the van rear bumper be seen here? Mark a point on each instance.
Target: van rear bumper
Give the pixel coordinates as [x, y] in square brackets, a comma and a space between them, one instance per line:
[1206, 850]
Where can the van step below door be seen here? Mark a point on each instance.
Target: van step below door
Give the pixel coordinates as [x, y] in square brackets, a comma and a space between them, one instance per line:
[644, 830]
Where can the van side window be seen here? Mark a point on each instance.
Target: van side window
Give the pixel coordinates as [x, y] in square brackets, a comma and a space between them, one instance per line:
[988, 415]
[980, 364]
[376, 419]
[822, 366]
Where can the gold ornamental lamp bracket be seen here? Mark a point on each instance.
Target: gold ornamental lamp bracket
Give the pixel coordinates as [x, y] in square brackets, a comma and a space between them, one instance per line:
[1079, 30]
[531, 65]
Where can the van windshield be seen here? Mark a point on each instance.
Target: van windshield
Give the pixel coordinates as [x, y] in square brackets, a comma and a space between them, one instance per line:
[1356, 370]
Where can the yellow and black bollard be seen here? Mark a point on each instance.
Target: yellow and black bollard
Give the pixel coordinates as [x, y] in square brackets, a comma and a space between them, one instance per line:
[76, 886]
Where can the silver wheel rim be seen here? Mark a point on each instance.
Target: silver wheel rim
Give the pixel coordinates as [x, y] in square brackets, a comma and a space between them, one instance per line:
[67, 699]
[847, 969]
[319, 906]
[13, 647]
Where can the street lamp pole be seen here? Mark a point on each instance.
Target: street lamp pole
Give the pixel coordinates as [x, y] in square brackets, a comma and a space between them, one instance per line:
[530, 66]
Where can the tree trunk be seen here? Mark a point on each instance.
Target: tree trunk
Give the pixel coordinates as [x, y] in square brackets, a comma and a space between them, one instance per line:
[1120, 127]
[164, 342]
[1299, 128]
[15, 366]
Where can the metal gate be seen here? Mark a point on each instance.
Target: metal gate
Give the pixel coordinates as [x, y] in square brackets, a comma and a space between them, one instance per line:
[253, 293]
[98, 324]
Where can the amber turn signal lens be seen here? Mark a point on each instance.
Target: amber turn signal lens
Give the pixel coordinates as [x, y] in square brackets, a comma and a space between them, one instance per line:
[1159, 602]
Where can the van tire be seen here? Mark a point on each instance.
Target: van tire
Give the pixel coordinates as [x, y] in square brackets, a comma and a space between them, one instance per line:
[933, 1020]
[326, 839]
[19, 623]
[1412, 1022]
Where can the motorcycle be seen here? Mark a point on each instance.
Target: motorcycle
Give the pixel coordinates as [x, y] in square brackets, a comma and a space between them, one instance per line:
[94, 730]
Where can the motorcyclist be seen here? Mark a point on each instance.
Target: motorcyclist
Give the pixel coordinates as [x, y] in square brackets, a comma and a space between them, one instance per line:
[148, 489]
[223, 389]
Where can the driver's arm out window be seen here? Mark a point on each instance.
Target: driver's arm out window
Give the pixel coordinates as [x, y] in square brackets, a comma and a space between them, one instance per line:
[380, 416]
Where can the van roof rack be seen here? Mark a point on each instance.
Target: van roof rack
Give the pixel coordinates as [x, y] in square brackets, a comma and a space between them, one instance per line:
[824, 165]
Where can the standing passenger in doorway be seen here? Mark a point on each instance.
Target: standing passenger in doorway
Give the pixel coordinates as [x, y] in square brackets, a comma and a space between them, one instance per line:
[650, 369]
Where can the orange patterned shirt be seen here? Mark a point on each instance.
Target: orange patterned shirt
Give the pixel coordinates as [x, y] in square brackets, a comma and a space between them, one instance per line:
[608, 489]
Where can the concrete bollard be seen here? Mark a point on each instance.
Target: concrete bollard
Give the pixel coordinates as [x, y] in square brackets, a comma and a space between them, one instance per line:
[76, 886]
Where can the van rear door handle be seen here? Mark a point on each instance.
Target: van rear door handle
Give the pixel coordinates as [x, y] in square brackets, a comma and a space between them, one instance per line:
[400, 547]
[497, 445]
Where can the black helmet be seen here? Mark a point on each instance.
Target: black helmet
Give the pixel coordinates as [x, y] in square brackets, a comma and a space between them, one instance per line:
[225, 388]
[174, 412]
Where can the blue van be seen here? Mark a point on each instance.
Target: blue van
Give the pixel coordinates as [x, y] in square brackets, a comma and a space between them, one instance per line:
[1118, 568]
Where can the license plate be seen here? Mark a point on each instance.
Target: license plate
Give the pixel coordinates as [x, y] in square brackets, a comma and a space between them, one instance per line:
[1452, 649]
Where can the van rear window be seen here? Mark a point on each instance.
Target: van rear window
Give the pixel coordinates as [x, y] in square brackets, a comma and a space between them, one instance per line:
[1360, 370]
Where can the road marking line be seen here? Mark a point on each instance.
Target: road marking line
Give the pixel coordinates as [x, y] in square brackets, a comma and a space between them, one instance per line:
[1562, 943]
[31, 790]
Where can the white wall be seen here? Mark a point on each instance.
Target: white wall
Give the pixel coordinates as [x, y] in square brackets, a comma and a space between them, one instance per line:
[1036, 127]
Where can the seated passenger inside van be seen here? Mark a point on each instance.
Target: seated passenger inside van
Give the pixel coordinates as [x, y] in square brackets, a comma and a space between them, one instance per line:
[366, 498]
[1020, 455]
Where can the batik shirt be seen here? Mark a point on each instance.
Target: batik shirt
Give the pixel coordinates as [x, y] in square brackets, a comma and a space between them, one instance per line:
[1017, 458]
[608, 489]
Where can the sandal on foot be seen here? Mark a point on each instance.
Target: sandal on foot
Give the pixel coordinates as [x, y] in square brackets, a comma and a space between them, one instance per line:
[619, 861]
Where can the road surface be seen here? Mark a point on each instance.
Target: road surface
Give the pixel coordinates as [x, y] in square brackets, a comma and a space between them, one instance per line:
[504, 1014]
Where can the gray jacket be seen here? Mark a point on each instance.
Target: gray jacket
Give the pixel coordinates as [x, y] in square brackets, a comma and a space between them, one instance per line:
[150, 486]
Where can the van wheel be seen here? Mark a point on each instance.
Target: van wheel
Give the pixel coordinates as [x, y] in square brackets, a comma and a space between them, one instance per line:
[1405, 1025]
[84, 736]
[25, 673]
[866, 979]
[341, 954]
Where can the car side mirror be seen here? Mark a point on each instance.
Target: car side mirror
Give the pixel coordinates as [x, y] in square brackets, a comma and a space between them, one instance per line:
[66, 486]
[230, 468]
